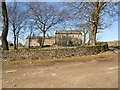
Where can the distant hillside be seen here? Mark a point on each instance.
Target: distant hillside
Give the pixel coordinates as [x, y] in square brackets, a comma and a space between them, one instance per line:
[113, 43]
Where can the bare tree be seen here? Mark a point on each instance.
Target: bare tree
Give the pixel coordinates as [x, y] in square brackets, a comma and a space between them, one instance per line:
[17, 20]
[1, 18]
[100, 15]
[98, 21]
[31, 29]
[85, 30]
[5, 26]
[46, 16]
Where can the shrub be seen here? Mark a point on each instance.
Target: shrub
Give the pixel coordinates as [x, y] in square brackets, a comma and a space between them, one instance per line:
[101, 44]
[11, 44]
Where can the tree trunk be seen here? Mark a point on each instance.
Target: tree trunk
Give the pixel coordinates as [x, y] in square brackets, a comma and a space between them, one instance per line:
[84, 38]
[5, 27]
[88, 43]
[43, 39]
[29, 41]
[95, 19]
[93, 37]
[15, 42]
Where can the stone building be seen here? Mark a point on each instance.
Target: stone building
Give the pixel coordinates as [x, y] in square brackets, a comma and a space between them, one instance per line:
[34, 41]
[49, 40]
[68, 37]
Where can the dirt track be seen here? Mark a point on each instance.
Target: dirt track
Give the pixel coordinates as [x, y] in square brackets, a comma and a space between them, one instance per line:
[98, 73]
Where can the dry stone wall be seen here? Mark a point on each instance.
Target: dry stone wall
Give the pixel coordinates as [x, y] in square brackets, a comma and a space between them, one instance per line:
[35, 54]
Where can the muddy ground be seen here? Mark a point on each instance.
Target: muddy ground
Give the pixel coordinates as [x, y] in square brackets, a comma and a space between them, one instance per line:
[100, 72]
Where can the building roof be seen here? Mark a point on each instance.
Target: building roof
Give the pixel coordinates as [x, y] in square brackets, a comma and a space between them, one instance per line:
[68, 31]
[37, 37]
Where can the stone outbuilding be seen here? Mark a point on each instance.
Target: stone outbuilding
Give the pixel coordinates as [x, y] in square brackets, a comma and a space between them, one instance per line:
[68, 37]
[34, 41]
